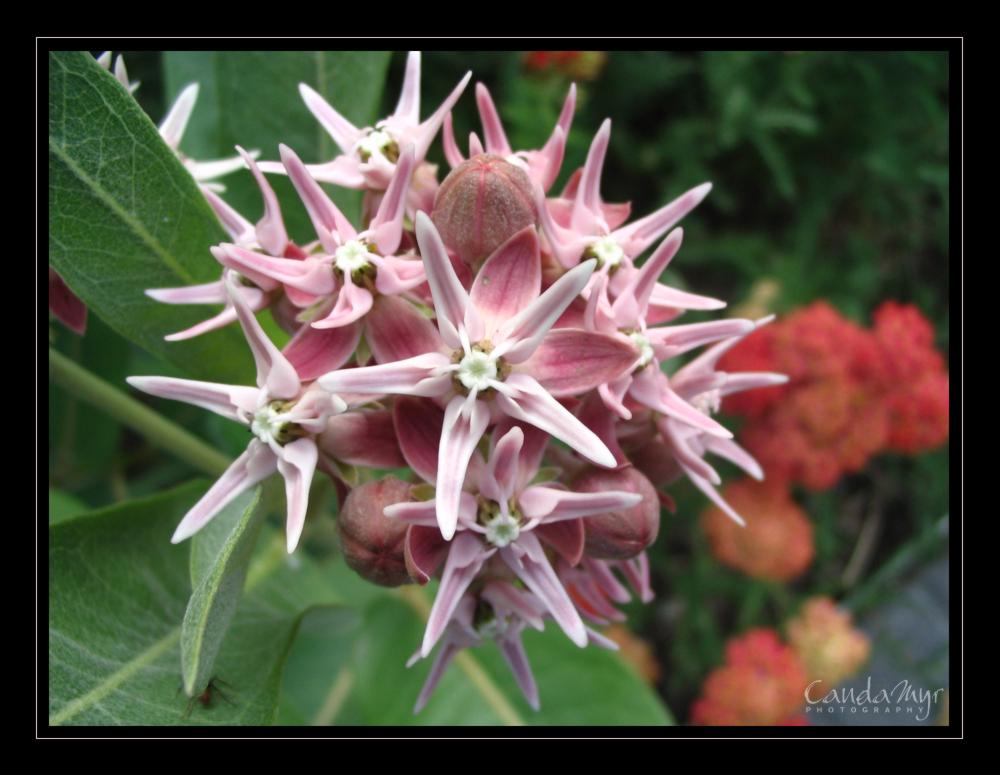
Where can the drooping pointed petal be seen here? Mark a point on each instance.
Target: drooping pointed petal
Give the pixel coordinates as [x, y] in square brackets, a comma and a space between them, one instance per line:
[665, 297]
[706, 487]
[326, 218]
[532, 404]
[315, 351]
[567, 537]
[496, 140]
[651, 388]
[414, 377]
[639, 235]
[508, 599]
[475, 145]
[313, 276]
[465, 559]
[254, 465]
[408, 108]
[500, 477]
[66, 305]
[221, 320]
[735, 454]
[421, 513]
[595, 638]
[565, 244]
[465, 421]
[644, 281]
[274, 373]
[587, 216]
[424, 550]
[671, 341]
[353, 303]
[527, 559]
[270, 230]
[418, 424]
[751, 380]
[206, 293]
[397, 275]
[550, 504]
[342, 171]
[452, 154]
[386, 227]
[544, 165]
[226, 400]
[588, 597]
[217, 168]
[297, 464]
[530, 325]
[343, 132]
[513, 651]
[451, 301]
[569, 107]
[429, 128]
[173, 126]
[238, 227]
[509, 280]
[532, 448]
[396, 330]
[365, 438]
[438, 668]
[600, 572]
[570, 361]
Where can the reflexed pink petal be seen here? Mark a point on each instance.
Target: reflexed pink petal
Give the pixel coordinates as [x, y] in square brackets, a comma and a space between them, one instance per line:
[221, 399]
[735, 454]
[527, 559]
[421, 513]
[594, 638]
[238, 227]
[507, 599]
[651, 388]
[587, 214]
[465, 421]
[224, 318]
[509, 280]
[496, 140]
[326, 218]
[441, 662]
[600, 572]
[451, 152]
[636, 571]
[395, 330]
[663, 296]
[532, 448]
[353, 303]
[312, 275]
[424, 550]
[173, 126]
[66, 305]
[676, 435]
[343, 132]
[397, 275]
[429, 128]
[671, 341]
[588, 597]
[513, 651]
[270, 229]
[569, 107]
[500, 477]
[451, 301]
[314, 351]
[342, 171]
[297, 464]
[465, 558]
[751, 380]
[207, 293]
[274, 373]
[475, 145]
[408, 107]
[565, 244]
[533, 405]
[544, 165]
[413, 376]
[550, 504]
[531, 324]
[418, 425]
[639, 235]
[706, 487]
[642, 284]
[572, 361]
[365, 438]
[566, 537]
[254, 465]
[387, 226]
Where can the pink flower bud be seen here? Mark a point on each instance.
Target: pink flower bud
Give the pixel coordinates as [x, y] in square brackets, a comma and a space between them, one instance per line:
[620, 535]
[481, 204]
[372, 543]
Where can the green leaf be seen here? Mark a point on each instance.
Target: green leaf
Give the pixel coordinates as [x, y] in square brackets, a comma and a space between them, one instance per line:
[124, 216]
[63, 506]
[577, 686]
[117, 594]
[220, 557]
[251, 98]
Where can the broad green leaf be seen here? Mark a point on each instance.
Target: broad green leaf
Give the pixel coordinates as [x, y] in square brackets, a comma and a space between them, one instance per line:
[251, 98]
[63, 506]
[220, 557]
[124, 216]
[117, 594]
[577, 686]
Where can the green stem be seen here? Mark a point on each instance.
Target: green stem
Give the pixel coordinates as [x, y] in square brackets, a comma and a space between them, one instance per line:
[155, 428]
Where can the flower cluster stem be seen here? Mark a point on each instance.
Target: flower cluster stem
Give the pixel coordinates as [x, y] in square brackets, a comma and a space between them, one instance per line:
[155, 428]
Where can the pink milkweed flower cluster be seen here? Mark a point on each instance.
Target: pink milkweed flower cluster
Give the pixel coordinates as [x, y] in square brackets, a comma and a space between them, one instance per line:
[530, 390]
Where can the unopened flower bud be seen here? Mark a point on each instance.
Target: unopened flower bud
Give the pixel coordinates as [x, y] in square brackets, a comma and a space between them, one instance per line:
[620, 535]
[372, 543]
[481, 204]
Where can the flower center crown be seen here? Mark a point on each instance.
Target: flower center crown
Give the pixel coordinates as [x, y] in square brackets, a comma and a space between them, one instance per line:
[476, 370]
[607, 252]
[351, 257]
